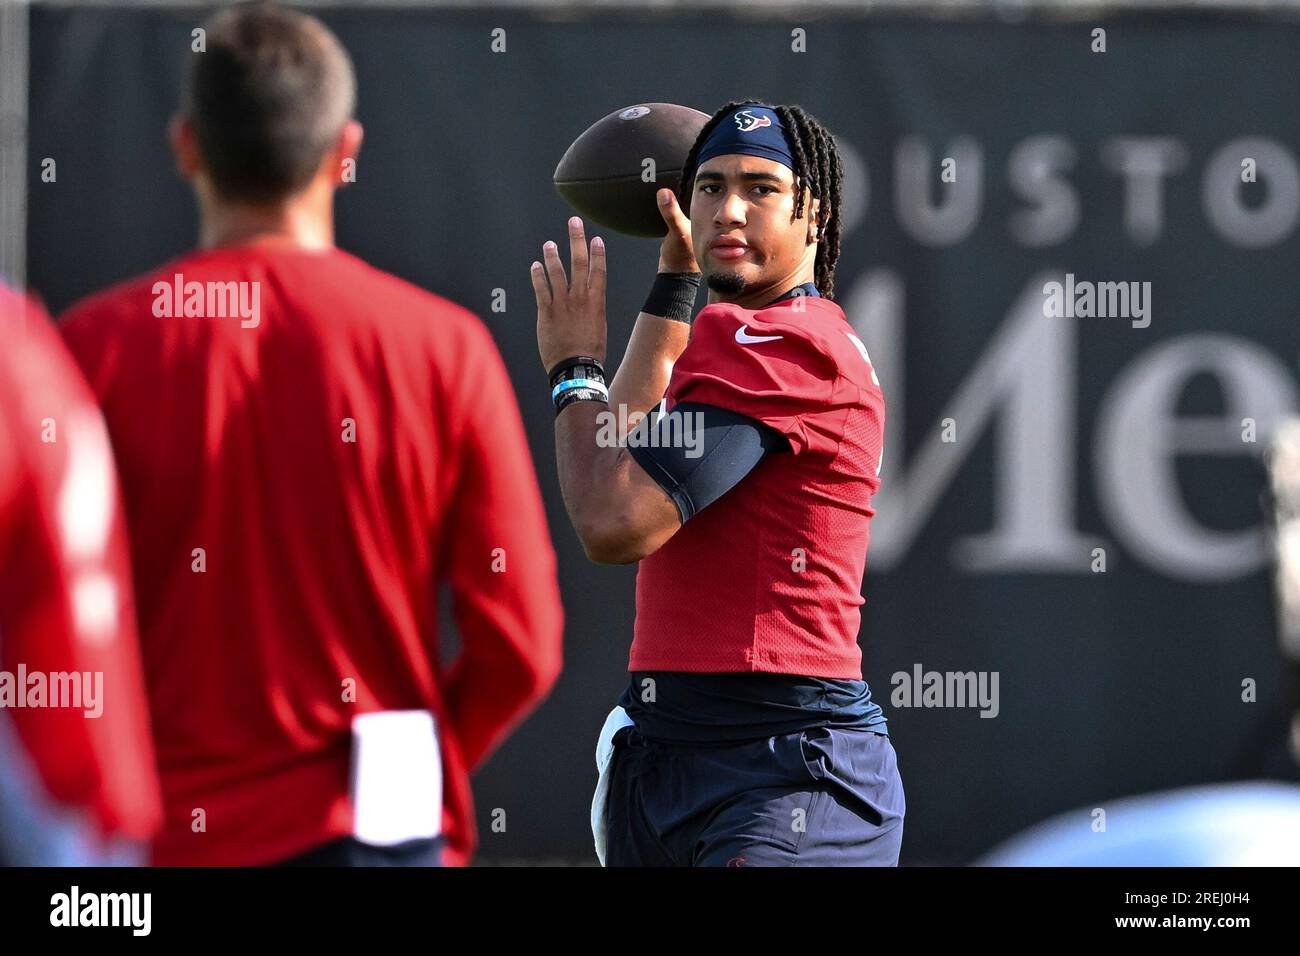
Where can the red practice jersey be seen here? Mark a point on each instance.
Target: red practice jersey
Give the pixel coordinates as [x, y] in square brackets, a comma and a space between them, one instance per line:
[769, 576]
[297, 484]
[67, 620]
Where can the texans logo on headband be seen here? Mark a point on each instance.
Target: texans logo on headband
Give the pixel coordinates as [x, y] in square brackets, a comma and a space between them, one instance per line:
[747, 122]
[758, 131]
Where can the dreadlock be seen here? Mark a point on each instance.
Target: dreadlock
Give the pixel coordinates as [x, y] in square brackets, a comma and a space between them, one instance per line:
[817, 167]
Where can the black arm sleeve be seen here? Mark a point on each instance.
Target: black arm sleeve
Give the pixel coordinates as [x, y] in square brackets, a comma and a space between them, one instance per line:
[697, 453]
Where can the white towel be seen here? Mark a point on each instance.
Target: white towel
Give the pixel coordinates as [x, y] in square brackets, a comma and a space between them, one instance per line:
[616, 721]
[396, 777]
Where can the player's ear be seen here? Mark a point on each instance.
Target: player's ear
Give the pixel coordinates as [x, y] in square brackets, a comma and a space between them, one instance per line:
[346, 148]
[817, 219]
[185, 146]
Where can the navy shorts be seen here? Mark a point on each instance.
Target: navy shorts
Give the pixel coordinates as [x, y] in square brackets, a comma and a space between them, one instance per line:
[348, 851]
[818, 797]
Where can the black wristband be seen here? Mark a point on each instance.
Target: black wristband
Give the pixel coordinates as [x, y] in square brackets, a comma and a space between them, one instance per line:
[565, 399]
[587, 373]
[558, 374]
[585, 378]
[673, 296]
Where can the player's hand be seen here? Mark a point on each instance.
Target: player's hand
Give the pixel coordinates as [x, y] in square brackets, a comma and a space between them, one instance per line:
[676, 254]
[571, 315]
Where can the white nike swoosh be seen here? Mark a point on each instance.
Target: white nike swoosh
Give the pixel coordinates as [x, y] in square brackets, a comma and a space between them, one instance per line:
[744, 338]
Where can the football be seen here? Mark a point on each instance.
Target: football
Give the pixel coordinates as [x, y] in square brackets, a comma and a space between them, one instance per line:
[612, 171]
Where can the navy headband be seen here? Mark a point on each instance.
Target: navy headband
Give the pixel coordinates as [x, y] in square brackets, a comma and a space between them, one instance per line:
[752, 131]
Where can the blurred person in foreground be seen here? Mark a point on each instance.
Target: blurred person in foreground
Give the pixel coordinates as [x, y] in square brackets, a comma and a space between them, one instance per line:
[308, 447]
[77, 780]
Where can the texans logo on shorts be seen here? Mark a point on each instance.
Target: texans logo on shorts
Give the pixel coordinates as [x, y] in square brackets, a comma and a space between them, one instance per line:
[748, 122]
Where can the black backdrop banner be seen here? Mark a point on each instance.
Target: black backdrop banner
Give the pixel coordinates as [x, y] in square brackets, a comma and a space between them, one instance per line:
[1070, 512]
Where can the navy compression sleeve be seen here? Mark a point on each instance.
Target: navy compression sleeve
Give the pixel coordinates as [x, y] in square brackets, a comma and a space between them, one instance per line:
[697, 453]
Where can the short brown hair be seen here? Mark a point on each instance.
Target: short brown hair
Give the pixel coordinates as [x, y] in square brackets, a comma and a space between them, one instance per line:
[267, 98]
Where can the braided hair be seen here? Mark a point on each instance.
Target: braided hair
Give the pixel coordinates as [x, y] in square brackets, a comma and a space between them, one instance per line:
[817, 167]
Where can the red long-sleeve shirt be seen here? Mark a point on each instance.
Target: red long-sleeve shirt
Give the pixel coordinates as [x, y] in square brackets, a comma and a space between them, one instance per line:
[336, 449]
[65, 588]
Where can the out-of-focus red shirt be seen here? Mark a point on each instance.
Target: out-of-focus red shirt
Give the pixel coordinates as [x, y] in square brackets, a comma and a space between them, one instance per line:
[66, 606]
[335, 456]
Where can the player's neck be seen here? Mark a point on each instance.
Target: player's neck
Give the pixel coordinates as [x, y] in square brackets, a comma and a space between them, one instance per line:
[303, 222]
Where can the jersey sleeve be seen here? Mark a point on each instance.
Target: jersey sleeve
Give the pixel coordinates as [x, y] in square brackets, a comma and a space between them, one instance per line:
[511, 624]
[768, 367]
